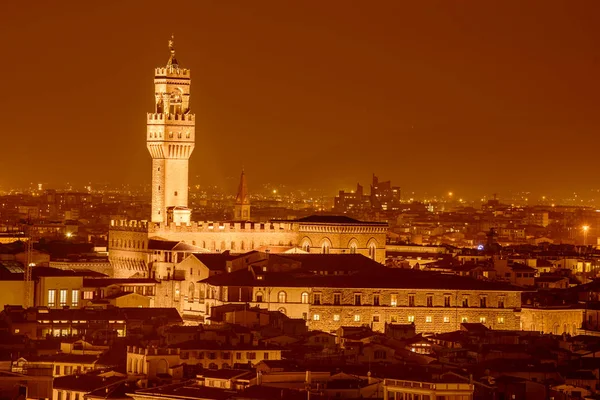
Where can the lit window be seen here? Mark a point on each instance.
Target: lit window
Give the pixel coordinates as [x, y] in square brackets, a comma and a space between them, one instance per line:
[51, 298]
[282, 297]
[394, 300]
[482, 320]
[75, 298]
[428, 318]
[393, 318]
[316, 317]
[501, 320]
[446, 319]
[356, 318]
[304, 298]
[336, 317]
[411, 318]
[464, 320]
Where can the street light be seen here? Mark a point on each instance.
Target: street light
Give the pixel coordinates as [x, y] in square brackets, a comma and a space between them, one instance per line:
[585, 228]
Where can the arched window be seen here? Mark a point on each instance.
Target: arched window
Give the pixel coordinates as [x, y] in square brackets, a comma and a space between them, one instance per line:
[225, 366]
[282, 297]
[191, 292]
[325, 248]
[372, 250]
[213, 366]
[259, 297]
[304, 298]
[352, 246]
[282, 310]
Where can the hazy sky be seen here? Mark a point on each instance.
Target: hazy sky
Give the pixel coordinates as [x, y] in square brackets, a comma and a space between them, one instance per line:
[470, 96]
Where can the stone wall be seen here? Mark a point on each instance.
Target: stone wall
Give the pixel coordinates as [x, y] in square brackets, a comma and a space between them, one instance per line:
[552, 320]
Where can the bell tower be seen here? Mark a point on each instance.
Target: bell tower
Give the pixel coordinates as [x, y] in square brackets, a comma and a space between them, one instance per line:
[170, 140]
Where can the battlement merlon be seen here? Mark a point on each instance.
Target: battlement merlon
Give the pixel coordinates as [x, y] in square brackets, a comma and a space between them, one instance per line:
[162, 118]
[199, 226]
[165, 72]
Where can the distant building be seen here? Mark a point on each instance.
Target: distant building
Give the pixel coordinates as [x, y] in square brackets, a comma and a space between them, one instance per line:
[383, 196]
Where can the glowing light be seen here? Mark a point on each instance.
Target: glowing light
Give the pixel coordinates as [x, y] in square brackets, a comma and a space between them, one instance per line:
[585, 228]
[69, 235]
[480, 247]
[450, 194]
[274, 191]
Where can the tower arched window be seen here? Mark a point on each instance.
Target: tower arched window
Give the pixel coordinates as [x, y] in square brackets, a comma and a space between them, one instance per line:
[175, 193]
[304, 298]
[282, 297]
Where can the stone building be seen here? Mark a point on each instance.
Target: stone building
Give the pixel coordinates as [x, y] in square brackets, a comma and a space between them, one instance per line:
[170, 140]
[355, 291]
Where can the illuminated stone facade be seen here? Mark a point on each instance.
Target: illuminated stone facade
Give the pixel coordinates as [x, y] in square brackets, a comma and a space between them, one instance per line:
[329, 300]
[170, 140]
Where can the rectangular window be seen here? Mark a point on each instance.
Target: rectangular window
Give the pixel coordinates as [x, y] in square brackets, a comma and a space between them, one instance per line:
[265, 356]
[411, 318]
[337, 299]
[356, 318]
[375, 299]
[51, 297]
[304, 316]
[483, 302]
[393, 319]
[482, 320]
[501, 302]
[465, 302]
[238, 356]
[375, 318]
[501, 320]
[63, 297]
[394, 300]
[357, 299]
[88, 294]
[447, 300]
[446, 319]
[428, 319]
[59, 397]
[316, 317]
[75, 298]
[317, 298]
[429, 300]
[251, 355]
[336, 317]
[411, 300]
[57, 370]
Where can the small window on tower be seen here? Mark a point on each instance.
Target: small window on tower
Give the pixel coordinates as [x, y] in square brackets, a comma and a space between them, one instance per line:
[159, 188]
[158, 169]
[175, 193]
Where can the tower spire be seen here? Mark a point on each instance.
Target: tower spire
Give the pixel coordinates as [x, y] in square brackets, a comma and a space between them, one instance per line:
[172, 63]
[242, 200]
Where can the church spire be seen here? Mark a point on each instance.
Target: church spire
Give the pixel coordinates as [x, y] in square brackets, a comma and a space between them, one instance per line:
[241, 209]
[172, 63]
[242, 194]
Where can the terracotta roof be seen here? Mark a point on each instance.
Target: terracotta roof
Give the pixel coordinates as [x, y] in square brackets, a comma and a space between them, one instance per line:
[382, 278]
